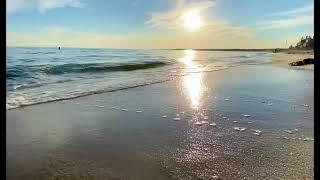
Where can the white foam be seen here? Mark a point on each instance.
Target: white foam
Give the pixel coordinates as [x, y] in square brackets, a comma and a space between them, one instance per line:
[99, 106]
[212, 124]
[205, 117]
[198, 123]
[124, 109]
[246, 115]
[138, 111]
[204, 122]
[164, 116]
[256, 132]
[215, 177]
[176, 119]
[235, 121]
[239, 129]
[288, 131]
[308, 139]
[177, 115]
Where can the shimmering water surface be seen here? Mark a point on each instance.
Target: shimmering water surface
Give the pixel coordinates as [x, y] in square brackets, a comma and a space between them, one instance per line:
[36, 75]
[247, 121]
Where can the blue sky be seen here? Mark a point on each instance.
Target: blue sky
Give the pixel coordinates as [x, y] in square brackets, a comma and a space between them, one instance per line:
[157, 23]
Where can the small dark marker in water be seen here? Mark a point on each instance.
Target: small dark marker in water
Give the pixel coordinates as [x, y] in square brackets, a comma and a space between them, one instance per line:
[59, 48]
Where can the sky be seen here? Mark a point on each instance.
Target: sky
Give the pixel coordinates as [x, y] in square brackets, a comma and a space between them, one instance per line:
[152, 24]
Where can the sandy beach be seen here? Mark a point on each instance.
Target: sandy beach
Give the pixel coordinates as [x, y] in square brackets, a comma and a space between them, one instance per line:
[245, 122]
[284, 58]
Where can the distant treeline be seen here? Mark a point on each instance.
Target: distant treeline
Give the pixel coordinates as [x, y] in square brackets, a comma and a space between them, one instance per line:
[304, 43]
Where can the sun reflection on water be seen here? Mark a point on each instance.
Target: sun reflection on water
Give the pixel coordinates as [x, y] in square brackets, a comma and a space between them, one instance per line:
[193, 80]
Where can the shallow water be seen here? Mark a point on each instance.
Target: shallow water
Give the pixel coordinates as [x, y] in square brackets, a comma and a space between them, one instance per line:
[77, 139]
[36, 75]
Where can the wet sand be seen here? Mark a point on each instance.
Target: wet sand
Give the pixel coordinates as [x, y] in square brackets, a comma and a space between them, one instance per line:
[103, 137]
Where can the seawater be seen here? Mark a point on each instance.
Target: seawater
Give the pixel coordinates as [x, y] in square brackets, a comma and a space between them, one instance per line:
[39, 75]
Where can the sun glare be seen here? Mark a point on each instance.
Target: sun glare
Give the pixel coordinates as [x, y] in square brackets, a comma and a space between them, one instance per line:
[193, 80]
[192, 20]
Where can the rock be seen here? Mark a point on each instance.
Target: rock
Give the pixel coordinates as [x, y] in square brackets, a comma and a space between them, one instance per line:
[303, 62]
[308, 61]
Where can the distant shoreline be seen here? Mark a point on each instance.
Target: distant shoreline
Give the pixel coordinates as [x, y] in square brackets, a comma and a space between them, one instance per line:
[285, 50]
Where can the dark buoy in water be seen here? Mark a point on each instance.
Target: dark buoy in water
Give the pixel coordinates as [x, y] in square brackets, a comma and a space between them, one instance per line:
[59, 47]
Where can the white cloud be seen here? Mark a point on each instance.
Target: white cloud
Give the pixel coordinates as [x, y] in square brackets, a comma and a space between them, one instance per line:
[56, 29]
[304, 9]
[14, 6]
[173, 18]
[286, 23]
[213, 28]
[295, 17]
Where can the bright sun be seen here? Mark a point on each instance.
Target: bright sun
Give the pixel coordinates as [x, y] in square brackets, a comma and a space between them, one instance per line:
[192, 21]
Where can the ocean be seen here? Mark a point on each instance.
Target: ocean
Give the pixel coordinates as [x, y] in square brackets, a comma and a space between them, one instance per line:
[39, 75]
